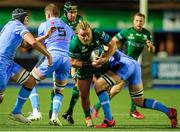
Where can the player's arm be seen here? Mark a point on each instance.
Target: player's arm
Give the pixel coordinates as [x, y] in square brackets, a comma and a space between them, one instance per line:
[37, 45]
[76, 63]
[24, 44]
[118, 43]
[111, 48]
[151, 47]
[45, 36]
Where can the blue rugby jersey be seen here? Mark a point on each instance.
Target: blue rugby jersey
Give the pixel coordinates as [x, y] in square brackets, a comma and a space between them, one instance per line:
[11, 37]
[59, 40]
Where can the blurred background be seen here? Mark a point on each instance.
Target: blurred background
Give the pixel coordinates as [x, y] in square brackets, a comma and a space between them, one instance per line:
[160, 70]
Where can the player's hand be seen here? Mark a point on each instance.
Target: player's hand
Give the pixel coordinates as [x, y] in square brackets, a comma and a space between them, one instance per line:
[99, 62]
[151, 47]
[94, 64]
[50, 31]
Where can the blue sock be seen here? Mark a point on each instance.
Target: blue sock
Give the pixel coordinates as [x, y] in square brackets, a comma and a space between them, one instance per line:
[57, 102]
[153, 104]
[34, 99]
[105, 103]
[22, 97]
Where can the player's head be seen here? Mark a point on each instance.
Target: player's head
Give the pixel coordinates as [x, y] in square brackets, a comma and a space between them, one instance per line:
[21, 15]
[138, 21]
[70, 10]
[51, 10]
[84, 32]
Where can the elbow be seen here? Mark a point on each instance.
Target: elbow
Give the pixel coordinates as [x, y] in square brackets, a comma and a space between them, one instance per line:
[73, 63]
[34, 43]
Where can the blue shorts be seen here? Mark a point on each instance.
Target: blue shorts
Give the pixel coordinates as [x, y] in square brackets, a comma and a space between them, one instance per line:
[130, 70]
[7, 70]
[60, 67]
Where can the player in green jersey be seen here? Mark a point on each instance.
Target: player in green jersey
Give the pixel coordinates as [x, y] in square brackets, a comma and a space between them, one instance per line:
[134, 39]
[81, 46]
[71, 16]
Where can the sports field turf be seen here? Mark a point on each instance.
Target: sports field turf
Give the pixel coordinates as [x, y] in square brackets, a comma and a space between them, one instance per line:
[154, 120]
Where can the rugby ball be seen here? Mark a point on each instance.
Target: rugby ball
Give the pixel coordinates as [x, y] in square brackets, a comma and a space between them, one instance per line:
[96, 53]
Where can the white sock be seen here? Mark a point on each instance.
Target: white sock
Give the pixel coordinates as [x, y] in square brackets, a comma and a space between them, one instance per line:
[54, 115]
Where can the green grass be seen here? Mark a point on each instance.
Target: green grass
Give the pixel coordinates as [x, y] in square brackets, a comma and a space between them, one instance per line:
[154, 120]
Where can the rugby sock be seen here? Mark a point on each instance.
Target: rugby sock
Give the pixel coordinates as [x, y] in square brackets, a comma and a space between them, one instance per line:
[34, 99]
[74, 98]
[57, 102]
[87, 113]
[22, 97]
[97, 106]
[153, 104]
[133, 106]
[105, 103]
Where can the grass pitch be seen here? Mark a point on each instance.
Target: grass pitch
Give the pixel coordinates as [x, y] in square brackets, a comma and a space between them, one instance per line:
[154, 120]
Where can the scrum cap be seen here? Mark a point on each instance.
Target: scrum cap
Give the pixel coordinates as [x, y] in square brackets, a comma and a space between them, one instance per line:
[70, 5]
[19, 14]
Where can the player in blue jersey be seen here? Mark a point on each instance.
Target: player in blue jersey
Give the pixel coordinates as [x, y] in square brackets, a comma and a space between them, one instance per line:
[11, 36]
[127, 69]
[57, 45]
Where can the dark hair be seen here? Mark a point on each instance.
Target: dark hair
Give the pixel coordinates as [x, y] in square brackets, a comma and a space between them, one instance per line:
[139, 14]
[19, 14]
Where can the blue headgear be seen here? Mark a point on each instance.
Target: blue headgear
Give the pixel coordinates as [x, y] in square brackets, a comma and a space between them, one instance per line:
[19, 14]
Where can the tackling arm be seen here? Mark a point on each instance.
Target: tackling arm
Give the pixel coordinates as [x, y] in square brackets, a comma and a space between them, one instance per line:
[80, 64]
[45, 36]
[37, 45]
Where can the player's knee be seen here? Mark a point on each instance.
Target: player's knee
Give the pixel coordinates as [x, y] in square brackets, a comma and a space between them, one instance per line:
[118, 87]
[59, 86]
[30, 82]
[99, 87]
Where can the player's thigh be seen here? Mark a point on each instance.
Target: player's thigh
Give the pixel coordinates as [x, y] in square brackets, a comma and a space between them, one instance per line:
[42, 70]
[19, 74]
[105, 81]
[4, 77]
[137, 93]
[135, 78]
[62, 72]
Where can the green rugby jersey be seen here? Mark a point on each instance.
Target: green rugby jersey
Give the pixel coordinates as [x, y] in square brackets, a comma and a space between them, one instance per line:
[74, 23]
[133, 40]
[82, 52]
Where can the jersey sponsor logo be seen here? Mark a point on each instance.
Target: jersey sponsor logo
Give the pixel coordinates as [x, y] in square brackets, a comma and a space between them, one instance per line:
[131, 36]
[145, 37]
[84, 49]
[97, 41]
[137, 34]
[105, 37]
[136, 44]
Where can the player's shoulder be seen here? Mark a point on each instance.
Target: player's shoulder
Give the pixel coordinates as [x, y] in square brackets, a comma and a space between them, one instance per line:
[75, 42]
[79, 18]
[75, 39]
[65, 24]
[42, 24]
[97, 31]
[146, 30]
[17, 23]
